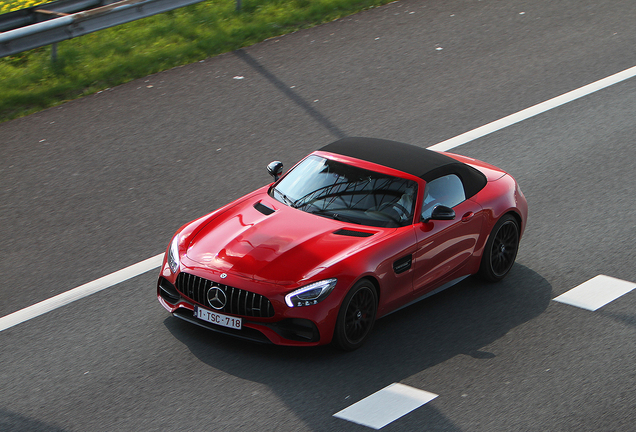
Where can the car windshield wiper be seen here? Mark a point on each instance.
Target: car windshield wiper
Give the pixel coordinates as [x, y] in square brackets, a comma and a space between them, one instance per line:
[285, 198]
[334, 215]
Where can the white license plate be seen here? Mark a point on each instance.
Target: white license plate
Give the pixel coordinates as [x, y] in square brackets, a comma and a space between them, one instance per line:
[217, 318]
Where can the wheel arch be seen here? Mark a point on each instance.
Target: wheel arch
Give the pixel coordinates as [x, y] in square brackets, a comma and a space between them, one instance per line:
[517, 217]
[486, 267]
[374, 282]
[496, 217]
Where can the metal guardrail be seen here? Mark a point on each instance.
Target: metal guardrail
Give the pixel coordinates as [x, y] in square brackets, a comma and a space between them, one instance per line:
[47, 11]
[68, 24]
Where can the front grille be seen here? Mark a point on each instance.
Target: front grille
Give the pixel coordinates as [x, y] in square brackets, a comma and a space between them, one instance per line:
[239, 302]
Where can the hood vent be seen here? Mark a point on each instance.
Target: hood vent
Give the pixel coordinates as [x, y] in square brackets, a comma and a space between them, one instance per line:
[352, 233]
[263, 208]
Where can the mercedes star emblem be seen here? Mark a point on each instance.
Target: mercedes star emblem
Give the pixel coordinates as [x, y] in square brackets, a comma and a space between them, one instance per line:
[217, 298]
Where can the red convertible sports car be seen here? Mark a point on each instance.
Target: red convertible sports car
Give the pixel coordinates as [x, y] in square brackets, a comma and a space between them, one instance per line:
[354, 231]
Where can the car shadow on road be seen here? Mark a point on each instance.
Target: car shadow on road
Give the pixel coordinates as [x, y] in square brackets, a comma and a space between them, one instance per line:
[317, 382]
[12, 422]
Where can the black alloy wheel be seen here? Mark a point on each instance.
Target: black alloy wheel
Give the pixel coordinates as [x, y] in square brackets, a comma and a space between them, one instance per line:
[356, 316]
[501, 249]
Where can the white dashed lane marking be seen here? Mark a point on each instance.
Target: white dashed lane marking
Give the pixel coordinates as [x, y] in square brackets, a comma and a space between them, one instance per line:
[397, 400]
[596, 293]
[385, 406]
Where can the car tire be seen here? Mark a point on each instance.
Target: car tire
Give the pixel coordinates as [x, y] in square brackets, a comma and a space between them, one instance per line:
[501, 249]
[356, 316]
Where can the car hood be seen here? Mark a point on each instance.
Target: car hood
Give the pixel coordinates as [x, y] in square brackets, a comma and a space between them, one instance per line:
[264, 240]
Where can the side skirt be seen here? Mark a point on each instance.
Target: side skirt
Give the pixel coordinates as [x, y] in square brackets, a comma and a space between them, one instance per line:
[430, 293]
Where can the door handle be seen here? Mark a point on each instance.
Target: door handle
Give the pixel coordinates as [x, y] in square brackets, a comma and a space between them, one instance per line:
[467, 216]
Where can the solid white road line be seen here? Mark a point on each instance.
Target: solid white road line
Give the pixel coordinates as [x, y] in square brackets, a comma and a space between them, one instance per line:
[80, 292]
[386, 405]
[144, 266]
[596, 293]
[534, 110]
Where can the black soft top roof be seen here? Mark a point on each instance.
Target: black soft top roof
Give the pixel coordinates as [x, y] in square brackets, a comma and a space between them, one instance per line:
[410, 159]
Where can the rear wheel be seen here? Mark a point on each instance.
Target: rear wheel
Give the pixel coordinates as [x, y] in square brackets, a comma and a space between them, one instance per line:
[501, 249]
[356, 316]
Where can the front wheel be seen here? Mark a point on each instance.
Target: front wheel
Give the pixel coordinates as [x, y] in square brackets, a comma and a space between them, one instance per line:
[356, 316]
[501, 249]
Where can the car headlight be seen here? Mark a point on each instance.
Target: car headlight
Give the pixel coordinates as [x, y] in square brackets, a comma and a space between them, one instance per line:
[173, 255]
[310, 294]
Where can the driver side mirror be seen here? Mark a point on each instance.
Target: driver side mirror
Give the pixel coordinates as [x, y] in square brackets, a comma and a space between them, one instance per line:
[275, 169]
[441, 212]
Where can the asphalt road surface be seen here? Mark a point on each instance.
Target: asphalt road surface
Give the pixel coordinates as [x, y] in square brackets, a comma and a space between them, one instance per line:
[101, 183]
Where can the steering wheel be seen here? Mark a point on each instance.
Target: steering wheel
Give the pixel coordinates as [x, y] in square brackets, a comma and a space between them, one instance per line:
[397, 206]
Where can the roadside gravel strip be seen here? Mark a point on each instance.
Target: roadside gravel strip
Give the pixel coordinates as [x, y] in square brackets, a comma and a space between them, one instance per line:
[154, 262]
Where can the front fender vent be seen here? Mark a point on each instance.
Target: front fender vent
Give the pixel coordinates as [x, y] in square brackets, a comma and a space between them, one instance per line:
[403, 264]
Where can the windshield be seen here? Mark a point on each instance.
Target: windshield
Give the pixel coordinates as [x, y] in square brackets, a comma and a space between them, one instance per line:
[344, 192]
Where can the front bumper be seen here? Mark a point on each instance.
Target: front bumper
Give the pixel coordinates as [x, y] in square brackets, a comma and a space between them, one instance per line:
[277, 328]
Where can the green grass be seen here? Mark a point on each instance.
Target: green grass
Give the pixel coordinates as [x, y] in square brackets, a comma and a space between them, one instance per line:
[14, 5]
[31, 81]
